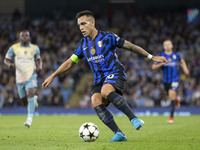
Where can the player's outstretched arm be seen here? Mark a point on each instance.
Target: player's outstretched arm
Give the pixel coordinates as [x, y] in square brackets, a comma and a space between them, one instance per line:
[156, 66]
[184, 67]
[63, 68]
[136, 49]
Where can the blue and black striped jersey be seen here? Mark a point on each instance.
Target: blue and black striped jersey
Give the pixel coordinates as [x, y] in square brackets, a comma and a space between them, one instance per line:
[170, 70]
[101, 55]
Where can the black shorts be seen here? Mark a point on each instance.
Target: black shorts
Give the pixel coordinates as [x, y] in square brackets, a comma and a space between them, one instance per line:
[171, 86]
[117, 80]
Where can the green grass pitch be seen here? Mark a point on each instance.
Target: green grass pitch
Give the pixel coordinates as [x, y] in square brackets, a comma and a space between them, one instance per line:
[61, 132]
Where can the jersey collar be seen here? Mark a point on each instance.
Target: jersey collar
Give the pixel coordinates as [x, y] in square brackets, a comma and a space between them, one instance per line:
[95, 36]
[29, 44]
[169, 54]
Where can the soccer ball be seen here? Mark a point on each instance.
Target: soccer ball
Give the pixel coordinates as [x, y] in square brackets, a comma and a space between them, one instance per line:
[88, 132]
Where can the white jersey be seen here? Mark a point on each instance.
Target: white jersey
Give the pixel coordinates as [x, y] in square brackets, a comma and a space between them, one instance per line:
[24, 60]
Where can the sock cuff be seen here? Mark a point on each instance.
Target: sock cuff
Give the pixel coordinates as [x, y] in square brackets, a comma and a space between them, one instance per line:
[112, 95]
[100, 107]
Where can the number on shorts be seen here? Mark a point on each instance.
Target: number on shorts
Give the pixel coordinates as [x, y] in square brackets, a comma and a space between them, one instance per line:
[175, 84]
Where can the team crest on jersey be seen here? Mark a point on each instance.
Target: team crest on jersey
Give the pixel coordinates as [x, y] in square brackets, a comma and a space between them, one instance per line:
[174, 56]
[93, 51]
[170, 60]
[25, 52]
[32, 53]
[100, 43]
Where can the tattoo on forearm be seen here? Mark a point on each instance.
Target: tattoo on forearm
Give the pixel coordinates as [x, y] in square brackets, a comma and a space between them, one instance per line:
[134, 48]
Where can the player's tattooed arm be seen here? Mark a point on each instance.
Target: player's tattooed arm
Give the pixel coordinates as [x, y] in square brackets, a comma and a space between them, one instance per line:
[140, 51]
[134, 48]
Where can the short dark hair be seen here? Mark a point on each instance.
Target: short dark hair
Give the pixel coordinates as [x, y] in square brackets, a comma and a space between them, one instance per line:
[24, 30]
[84, 13]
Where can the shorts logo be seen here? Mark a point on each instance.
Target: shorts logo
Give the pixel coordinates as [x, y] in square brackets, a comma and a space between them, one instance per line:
[174, 85]
[34, 83]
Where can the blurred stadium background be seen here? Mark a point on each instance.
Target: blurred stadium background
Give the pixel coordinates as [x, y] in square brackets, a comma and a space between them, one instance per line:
[145, 23]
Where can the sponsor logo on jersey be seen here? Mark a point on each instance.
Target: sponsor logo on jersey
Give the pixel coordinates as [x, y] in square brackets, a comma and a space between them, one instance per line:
[97, 58]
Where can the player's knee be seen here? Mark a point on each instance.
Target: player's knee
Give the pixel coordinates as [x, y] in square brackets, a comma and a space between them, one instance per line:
[104, 94]
[30, 94]
[172, 95]
[96, 100]
[106, 90]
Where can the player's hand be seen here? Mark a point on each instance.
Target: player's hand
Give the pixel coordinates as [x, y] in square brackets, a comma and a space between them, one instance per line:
[47, 82]
[12, 65]
[160, 59]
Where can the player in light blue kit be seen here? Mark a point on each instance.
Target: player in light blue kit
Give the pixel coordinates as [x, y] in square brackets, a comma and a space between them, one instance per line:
[25, 58]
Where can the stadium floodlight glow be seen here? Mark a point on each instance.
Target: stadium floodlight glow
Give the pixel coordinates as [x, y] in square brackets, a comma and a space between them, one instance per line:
[192, 15]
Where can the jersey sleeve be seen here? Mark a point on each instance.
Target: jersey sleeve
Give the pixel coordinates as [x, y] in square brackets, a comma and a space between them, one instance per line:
[10, 54]
[78, 53]
[117, 41]
[178, 55]
[37, 54]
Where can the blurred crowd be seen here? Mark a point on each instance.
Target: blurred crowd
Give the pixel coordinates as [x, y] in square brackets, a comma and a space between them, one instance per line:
[57, 38]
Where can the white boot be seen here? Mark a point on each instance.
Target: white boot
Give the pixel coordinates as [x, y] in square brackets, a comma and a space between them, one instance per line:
[28, 122]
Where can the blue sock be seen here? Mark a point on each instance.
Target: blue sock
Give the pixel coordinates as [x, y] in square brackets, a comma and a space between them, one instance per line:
[31, 107]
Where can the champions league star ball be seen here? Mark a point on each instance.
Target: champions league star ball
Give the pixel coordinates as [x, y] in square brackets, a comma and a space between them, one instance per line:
[88, 132]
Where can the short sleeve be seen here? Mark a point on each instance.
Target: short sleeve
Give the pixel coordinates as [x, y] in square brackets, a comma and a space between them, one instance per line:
[10, 54]
[37, 54]
[117, 41]
[78, 51]
[178, 55]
